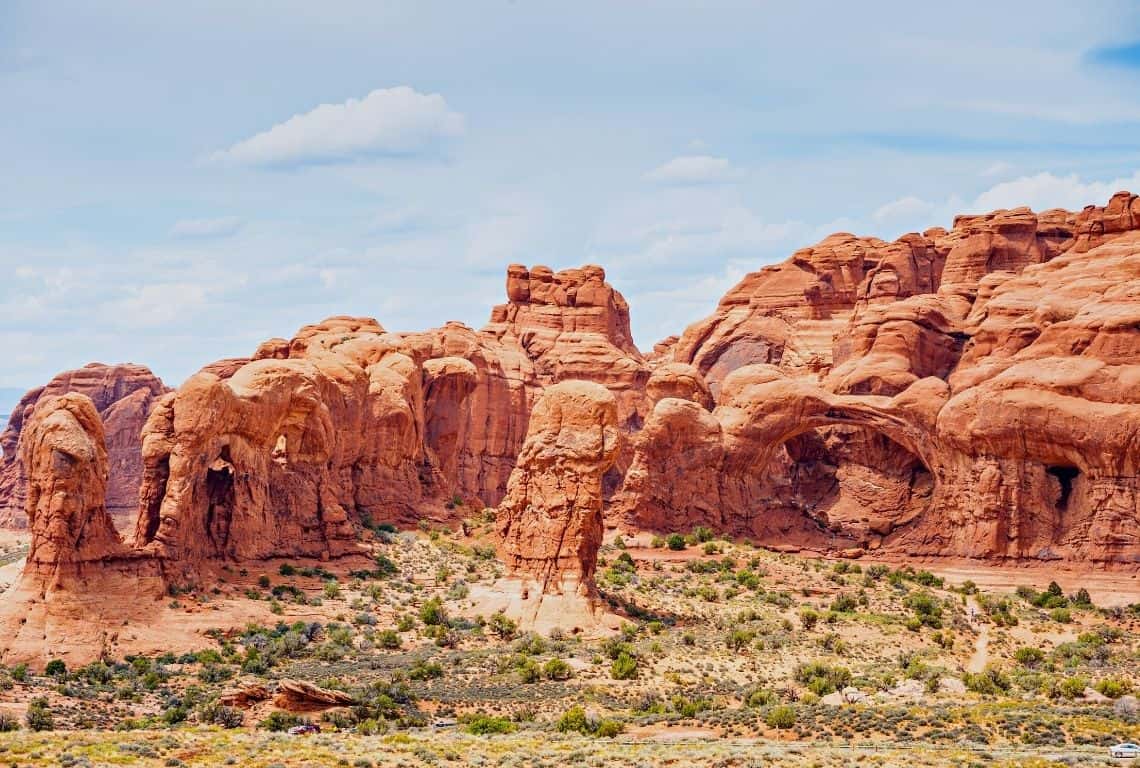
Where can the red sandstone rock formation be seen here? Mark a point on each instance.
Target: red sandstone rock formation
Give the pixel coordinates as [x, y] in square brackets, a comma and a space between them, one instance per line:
[64, 453]
[966, 392]
[123, 395]
[551, 519]
[79, 582]
[303, 696]
[280, 457]
[555, 326]
[979, 383]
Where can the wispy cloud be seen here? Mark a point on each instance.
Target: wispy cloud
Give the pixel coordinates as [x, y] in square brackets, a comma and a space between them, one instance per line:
[694, 169]
[219, 227]
[1039, 191]
[901, 208]
[388, 121]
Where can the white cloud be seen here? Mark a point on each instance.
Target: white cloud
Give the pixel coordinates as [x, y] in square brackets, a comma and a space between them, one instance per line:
[1045, 190]
[904, 207]
[159, 304]
[388, 121]
[694, 169]
[219, 227]
[1039, 192]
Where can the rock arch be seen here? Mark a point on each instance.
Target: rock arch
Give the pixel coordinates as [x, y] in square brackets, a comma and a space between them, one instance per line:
[696, 467]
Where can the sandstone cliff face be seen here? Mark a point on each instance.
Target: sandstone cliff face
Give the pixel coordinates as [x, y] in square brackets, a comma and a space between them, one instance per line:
[550, 522]
[964, 392]
[978, 383]
[555, 326]
[280, 457]
[123, 396]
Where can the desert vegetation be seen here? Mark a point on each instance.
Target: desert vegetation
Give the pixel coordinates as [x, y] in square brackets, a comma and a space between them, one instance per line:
[726, 642]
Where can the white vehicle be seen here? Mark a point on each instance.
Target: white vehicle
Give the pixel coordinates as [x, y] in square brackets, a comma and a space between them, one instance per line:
[1127, 749]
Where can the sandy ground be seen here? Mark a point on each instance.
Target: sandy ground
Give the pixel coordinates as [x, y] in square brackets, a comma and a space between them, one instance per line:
[9, 573]
[1109, 588]
[981, 655]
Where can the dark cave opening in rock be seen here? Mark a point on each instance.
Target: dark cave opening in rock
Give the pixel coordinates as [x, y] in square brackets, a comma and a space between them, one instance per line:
[219, 498]
[1065, 477]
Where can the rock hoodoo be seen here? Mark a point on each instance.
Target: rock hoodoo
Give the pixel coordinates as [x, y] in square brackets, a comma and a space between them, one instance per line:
[123, 396]
[66, 463]
[550, 522]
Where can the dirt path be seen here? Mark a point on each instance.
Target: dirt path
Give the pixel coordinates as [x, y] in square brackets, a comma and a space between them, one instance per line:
[981, 655]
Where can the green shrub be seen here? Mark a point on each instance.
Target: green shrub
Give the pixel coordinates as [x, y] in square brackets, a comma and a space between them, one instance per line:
[624, 667]
[990, 682]
[1114, 687]
[608, 728]
[844, 603]
[55, 668]
[217, 714]
[1072, 687]
[483, 725]
[739, 639]
[821, 679]
[574, 720]
[502, 626]
[529, 671]
[781, 717]
[557, 669]
[675, 541]
[432, 612]
[761, 697]
[425, 670]
[1029, 657]
[702, 534]
[1061, 615]
[279, 721]
[809, 618]
[38, 716]
[926, 607]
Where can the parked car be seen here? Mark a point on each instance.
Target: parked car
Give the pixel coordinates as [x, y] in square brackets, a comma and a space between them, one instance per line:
[304, 729]
[1127, 749]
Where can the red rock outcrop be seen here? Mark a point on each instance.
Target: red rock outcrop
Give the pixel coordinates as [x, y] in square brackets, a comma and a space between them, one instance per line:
[964, 392]
[65, 458]
[123, 395]
[303, 696]
[693, 467]
[556, 326]
[979, 385]
[550, 522]
[280, 457]
[79, 581]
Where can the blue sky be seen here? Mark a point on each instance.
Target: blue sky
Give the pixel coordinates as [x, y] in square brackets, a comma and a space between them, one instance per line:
[180, 181]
